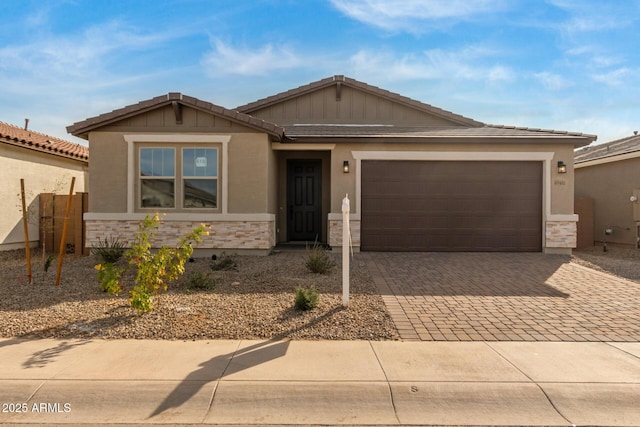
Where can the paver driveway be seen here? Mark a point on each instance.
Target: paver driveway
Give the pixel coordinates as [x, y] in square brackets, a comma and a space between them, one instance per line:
[503, 297]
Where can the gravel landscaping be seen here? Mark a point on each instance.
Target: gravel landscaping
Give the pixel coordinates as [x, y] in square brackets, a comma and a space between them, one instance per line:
[255, 302]
[623, 261]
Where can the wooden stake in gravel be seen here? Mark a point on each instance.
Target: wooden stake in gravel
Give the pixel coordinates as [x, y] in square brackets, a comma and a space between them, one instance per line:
[26, 230]
[63, 245]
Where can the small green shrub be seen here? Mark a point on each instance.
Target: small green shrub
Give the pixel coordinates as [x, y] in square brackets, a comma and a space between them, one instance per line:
[200, 281]
[225, 263]
[318, 260]
[306, 298]
[110, 250]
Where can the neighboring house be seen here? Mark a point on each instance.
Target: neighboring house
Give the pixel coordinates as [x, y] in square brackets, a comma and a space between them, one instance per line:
[609, 174]
[43, 162]
[276, 170]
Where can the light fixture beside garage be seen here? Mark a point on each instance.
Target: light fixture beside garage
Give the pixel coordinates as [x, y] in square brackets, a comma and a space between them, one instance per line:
[345, 166]
[562, 168]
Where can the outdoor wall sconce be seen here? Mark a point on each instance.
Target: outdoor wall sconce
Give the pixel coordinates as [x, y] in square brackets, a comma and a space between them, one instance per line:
[345, 166]
[562, 168]
[633, 199]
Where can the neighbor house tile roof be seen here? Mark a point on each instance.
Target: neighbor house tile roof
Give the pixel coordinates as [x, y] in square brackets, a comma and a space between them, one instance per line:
[618, 147]
[26, 138]
[82, 128]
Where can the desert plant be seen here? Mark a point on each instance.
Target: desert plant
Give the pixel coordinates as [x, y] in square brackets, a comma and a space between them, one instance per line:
[225, 263]
[110, 250]
[154, 270]
[318, 260]
[200, 281]
[306, 298]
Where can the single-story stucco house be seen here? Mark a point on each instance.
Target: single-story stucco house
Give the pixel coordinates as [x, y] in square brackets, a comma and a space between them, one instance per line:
[43, 162]
[419, 178]
[609, 175]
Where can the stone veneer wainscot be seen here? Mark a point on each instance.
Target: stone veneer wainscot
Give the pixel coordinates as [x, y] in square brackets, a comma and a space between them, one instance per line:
[222, 234]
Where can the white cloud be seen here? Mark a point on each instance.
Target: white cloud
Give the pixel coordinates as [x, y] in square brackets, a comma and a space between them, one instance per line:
[617, 77]
[225, 59]
[471, 63]
[410, 14]
[553, 81]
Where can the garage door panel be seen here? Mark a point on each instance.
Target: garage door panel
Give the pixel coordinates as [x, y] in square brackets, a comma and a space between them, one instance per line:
[451, 206]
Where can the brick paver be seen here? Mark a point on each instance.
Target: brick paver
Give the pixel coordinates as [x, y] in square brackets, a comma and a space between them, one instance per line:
[503, 297]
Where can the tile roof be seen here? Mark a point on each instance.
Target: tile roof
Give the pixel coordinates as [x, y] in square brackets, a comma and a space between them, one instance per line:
[82, 128]
[618, 147]
[330, 81]
[25, 138]
[390, 131]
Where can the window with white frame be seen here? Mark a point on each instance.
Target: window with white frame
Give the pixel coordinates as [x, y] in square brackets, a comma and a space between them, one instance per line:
[157, 177]
[182, 178]
[200, 178]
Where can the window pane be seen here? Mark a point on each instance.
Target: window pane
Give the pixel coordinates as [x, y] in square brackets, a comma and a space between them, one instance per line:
[157, 162]
[201, 193]
[200, 162]
[157, 193]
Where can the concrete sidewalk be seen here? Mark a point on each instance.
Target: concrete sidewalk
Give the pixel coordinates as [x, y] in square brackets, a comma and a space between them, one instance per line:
[319, 382]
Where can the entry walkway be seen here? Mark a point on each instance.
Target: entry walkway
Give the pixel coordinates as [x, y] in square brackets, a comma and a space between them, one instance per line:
[503, 297]
[128, 382]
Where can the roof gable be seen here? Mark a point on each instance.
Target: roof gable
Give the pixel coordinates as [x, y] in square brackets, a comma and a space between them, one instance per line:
[176, 102]
[25, 138]
[340, 100]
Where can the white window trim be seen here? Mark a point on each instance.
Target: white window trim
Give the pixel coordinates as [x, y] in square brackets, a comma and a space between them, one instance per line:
[178, 138]
[545, 157]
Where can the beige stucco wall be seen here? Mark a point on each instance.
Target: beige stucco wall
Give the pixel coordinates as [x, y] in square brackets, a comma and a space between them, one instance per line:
[108, 167]
[250, 165]
[611, 185]
[42, 173]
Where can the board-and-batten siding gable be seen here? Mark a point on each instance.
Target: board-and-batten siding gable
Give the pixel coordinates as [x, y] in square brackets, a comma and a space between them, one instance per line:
[164, 119]
[353, 107]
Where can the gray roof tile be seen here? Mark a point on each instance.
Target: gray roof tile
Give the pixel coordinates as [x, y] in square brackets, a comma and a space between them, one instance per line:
[610, 149]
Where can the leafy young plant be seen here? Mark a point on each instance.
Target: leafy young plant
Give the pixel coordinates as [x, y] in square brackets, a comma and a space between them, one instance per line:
[109, 278]
[306, 298]
[154, 270]
[318, 260]
[110, 250]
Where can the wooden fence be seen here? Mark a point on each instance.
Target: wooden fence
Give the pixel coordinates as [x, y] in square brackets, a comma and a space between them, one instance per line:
[52, 211]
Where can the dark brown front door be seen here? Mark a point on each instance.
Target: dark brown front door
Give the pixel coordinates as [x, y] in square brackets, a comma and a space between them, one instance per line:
[451, 206]
[304, 195]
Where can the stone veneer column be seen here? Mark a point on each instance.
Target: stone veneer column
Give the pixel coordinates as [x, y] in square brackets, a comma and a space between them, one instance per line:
[561, 234]
[335, 233]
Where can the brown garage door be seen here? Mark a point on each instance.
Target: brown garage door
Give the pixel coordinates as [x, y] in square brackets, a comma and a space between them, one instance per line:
[451, 206]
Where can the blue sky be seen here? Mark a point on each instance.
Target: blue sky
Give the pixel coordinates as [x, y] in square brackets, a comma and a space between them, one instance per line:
[559, 64]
